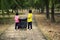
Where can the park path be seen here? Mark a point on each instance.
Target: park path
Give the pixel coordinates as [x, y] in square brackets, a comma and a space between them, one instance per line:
[12, 34]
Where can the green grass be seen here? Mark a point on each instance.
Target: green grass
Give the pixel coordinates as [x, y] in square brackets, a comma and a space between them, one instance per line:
[6, 20]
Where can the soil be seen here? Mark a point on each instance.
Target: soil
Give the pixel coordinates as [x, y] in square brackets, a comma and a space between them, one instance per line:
[49, 29]
[3, 28]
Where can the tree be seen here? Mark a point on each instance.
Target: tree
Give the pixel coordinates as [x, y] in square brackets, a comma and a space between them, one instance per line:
[42, 5]
[2, 7]
[52, 11]
[47, 8]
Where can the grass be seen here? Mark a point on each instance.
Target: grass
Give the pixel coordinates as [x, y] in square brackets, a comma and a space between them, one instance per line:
[5, 23]
[50, 30]
[6, 20]
[3, 28]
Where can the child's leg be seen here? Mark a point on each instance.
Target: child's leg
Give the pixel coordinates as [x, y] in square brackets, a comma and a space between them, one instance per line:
[28, 25]
[18, 25]
[31, 24]
[15, 25]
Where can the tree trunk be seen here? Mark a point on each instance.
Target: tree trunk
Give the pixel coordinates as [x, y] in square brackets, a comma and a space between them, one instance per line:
[39, 10]
[52, 12]
[8, 13]
[47, 9]
[3, 14]
[42, 9]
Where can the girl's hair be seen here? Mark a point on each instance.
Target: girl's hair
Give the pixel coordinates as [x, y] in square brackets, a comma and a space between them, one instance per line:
[30, 11]
[16, 13]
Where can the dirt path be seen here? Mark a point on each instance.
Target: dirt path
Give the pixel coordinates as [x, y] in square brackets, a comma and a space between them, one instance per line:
[12, 34]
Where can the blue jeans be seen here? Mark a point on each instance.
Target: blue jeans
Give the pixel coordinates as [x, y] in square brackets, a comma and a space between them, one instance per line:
[16, 25]
[29, 25]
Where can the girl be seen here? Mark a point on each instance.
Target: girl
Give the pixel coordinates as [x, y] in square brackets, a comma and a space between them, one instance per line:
[16, 20]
